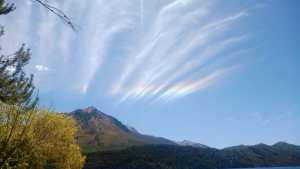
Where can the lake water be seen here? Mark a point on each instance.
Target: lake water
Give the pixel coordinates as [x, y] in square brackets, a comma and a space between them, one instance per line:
[272, 168]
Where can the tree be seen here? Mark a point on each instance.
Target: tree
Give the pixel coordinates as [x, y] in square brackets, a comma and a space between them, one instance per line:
[5, 8]
[37, 139]
[29, 137]
[15, 87]
[55, 140]
[14, 127]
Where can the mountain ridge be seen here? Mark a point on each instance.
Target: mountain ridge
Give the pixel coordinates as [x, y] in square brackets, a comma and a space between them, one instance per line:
[99, 131]
[110, 144]
[187, 157]
[191, 144]
[94, 124]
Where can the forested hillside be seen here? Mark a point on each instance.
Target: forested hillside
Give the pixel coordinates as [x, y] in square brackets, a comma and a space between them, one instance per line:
[176, 157]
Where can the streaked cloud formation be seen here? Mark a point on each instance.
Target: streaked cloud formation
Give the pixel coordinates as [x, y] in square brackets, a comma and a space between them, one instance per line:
[208, 65]
[145, 49]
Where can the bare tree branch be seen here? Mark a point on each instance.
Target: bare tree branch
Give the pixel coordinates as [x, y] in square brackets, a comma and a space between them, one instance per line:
[57, 12]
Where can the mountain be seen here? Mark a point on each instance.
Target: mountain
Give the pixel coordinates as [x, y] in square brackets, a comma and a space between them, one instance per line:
[191, 144]
[99, 131]
[187, 157]
[109, 144]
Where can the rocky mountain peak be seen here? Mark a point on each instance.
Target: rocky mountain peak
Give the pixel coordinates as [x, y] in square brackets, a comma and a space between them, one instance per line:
[90, 109]
[101, 131]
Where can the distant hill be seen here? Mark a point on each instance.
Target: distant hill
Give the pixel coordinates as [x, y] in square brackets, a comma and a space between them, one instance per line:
[191, 144]
[109, 144]
[187, 157]
[99, 131]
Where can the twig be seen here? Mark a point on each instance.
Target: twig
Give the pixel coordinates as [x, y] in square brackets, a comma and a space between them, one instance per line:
[57, 12]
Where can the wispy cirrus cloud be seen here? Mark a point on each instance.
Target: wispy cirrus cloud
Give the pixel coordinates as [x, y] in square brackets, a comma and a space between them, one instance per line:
[178, 43]
[143, 49]
[190, 86]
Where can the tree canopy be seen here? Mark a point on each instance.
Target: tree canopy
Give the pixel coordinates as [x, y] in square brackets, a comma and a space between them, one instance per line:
[15, 87]
[5, 8]
[30, 137]
[37, 139]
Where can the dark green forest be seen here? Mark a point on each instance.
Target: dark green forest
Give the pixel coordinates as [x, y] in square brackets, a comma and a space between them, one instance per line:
[176, 157]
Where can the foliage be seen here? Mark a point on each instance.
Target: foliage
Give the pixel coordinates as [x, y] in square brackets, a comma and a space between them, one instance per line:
[14, 136]
[5, 8]
[31, 138]
[15, 87]
[37, 139]
[178, 157]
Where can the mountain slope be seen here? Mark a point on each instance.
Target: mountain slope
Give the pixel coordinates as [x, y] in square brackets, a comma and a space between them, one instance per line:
[191, 144]
[262, 155]
[174, 157]
[99, 131]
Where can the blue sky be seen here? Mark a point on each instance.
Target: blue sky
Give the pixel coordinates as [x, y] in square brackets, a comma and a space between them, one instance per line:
[216, 73]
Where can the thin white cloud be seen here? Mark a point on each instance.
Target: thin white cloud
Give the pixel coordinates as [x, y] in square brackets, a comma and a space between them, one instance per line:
[83, 88]
[268, 118]
[42, 68]
[260, 5]
[179, 89]
[160, 39]
[98, 35]
[173, 46]
[11, 69]
[185, 88]
[166, 55]
[16, 32]
[142, 13]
